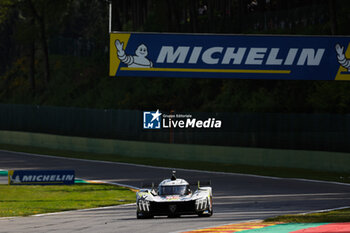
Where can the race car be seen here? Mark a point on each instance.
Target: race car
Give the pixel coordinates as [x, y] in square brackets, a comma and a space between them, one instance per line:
[174, 198]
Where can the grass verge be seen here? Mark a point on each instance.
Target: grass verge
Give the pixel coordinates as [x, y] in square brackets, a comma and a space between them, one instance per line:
[331, 216]
[35, 199]
[207, 166]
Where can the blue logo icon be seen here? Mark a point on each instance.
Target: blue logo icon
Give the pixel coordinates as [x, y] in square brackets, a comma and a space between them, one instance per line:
[151, 120]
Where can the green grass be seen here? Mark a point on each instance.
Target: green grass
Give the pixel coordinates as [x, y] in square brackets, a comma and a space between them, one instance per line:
[24, 200]
[207, 166]
[331, 216]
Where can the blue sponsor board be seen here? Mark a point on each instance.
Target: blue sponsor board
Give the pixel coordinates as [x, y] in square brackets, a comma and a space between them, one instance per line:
[41, 177]
[230, 56]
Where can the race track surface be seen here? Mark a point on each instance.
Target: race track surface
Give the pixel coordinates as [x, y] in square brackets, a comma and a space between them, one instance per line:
[236, 197]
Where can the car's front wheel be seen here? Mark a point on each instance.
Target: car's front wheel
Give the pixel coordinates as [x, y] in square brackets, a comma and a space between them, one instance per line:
[208, 212]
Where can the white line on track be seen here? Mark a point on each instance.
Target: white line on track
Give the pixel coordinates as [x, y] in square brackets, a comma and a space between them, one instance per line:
[327, 210]
[280, 195]
[113, 183]
[70, 211]
[132, 204]
[166, 168]
[179, 169]
[83, 210]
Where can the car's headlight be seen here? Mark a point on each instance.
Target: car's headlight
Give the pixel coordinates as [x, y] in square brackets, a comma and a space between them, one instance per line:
[143, 205]
[201, 204]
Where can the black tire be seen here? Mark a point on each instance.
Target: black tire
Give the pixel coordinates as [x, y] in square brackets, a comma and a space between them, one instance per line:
[206, 214]
[210, 211]
[143, 216]
[174, 216]
[139, 216]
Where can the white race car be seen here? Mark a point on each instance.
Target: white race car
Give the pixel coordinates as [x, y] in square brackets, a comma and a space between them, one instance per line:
[173, 198]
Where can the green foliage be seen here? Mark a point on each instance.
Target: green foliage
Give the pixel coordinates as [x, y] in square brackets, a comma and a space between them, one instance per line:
[5, 7]
[330, 216]
[331, 97]
[33, 199]
[81, 78]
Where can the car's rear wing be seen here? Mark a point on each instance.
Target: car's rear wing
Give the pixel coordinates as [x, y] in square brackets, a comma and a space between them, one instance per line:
[197, 183]
[200, 183]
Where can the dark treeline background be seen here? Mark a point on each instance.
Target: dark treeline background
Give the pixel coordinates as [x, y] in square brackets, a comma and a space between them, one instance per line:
[55, 52]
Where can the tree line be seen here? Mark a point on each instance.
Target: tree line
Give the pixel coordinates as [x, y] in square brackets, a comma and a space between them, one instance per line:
[55, 52]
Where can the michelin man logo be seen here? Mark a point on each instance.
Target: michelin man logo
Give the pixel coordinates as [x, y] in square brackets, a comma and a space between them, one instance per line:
[151, 120]
[16, 180]
[139, 60]
[343, 61]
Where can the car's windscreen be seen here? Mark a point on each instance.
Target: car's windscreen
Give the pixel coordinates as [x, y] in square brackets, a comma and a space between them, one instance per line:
[173, 190]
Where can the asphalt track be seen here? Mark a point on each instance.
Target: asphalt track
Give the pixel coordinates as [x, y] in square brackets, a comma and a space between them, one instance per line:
[236, 197]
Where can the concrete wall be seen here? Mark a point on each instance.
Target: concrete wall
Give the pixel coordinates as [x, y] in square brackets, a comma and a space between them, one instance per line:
[317, 160]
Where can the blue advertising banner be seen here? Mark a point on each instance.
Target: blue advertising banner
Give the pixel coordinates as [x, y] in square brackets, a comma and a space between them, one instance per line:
[41, 177]
[230, 56]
